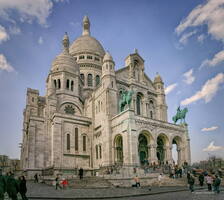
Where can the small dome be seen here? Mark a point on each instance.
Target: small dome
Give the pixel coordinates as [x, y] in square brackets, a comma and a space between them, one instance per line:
[158, 79]
[64, 59]
[107, 57]
[86, 43]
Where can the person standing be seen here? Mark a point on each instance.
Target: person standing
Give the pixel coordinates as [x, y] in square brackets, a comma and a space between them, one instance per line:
[2, 186]
[209, 182]
[81, 173]
[36, 178]
[160, 179]
[191, 181]
[57, 183]
[201, 179]
[12, 187]
[23, 188]
[216, 184]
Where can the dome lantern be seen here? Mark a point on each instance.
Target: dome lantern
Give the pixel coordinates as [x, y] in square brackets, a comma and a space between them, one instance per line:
[86, 26]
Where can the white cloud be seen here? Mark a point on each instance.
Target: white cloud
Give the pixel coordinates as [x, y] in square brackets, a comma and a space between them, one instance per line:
[169, 88]
[28, 10]
[184, 38]
[211, 14]
[189, 78]
[210, 128]
[201, 38]
[4, 65]
[218, 58]
[14, 30]
[40, 40]
[212, 147]
[208, 90]
[3, 34]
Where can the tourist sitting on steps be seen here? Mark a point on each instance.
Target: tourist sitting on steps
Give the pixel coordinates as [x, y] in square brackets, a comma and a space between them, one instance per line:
[137, 182]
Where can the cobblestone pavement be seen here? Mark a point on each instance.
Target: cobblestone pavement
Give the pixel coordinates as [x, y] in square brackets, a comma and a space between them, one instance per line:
[185, 195]
[42, 191]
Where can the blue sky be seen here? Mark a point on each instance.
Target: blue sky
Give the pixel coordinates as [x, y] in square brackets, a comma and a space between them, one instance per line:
[182, 40]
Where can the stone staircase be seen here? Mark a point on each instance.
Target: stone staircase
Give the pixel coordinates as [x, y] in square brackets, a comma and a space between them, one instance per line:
[89, 182]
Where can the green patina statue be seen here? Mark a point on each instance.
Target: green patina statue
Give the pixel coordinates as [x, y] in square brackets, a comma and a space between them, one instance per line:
[181, 114]
[125, 99]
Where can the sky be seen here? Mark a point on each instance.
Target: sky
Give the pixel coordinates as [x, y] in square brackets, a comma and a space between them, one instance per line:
[181, 40]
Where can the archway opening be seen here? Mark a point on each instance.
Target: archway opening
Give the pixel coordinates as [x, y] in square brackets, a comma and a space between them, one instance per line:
[160, 151]
[176, 150]
[143, 149]
[118, 149]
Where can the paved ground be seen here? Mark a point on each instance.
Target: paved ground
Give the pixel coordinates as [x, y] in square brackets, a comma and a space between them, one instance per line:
[41, 191]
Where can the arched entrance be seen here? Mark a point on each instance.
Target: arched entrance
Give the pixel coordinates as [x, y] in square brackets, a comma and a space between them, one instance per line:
[162, 140]
[118, 143]
[143, 149]
[176, 150]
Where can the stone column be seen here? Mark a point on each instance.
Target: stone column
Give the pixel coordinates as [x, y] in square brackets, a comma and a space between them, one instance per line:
[178, 156]
[153, 156]
[169, 154]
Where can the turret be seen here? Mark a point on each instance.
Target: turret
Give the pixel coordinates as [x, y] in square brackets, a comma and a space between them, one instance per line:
[161, 108]
[64, 74]
[108, 72]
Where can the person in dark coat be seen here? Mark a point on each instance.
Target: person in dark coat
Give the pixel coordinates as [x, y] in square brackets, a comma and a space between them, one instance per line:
[2, 186]
[23, 188]
[191, 181]
[201, 179]
[216, 184]
[36, 178]
[12, 187]
[81, 173]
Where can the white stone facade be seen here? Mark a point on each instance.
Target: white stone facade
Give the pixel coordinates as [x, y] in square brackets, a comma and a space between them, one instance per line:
[78, 123]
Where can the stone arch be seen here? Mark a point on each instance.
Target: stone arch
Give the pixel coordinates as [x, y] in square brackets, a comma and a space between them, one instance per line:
[176, 142]
[118, 149]
[145, 140]
[162, 142]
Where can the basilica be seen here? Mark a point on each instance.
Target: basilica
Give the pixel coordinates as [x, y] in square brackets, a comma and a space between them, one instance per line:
[93, 116]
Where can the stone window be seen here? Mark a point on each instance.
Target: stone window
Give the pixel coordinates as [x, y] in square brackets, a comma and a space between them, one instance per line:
[67, 84]
[68, 141]
[84, 142]
[97, 80]
[97, 59]
[75, 58]
[81, 57]
[96, 151]
[90, 80]
[69, 110]
[138, 104]
[151, 114]
[55, 83]
[100, 151]
[32, 99]
[112, 84]
[111, 67]
[76, 139]
[89, 57]
[72, 85]
[59, 83]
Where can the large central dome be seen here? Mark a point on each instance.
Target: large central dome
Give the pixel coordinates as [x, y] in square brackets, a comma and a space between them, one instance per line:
[86, 43]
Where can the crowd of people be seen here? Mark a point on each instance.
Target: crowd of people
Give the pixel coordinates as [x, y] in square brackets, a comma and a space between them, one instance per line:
[213, 181]
[12, 186]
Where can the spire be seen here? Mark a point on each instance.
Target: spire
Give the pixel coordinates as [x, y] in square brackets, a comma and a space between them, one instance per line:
[65, 43]
[86, 26]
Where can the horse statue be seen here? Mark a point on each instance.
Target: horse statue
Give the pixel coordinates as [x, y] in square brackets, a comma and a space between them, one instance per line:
[181, 114]
[125, 99]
